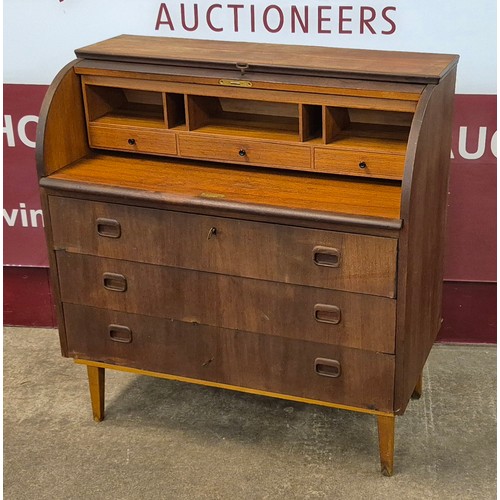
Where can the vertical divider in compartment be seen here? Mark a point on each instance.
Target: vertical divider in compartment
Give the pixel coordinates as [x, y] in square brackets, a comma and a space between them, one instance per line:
[334, 121]
[309, 122]
[165, 108]
[174, 106]
[200, 110]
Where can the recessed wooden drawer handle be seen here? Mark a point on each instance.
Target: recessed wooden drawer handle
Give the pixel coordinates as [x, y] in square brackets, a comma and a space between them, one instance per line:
[327, 367]
[325, 313]
[326, 256]
[114, 282]
[109, 228]
[120, 333]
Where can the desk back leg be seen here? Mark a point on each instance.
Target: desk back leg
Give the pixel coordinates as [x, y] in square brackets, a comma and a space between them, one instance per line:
[417, 392]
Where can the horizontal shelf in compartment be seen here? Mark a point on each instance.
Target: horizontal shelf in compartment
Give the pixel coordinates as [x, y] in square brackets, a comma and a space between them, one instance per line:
[377, 131]
[348, 141]
[254, 129]
[133, 116]
[181, 182]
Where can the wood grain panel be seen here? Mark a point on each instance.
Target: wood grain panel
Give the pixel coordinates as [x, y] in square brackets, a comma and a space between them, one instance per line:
[359, 163]
[58, 144]
[237, 358]
[204, 185]
[244, 150]
[287, 366]
[237, 247]
[373, 64]
[230, 302]
[346, 101]
[133, 140]
[267, 81]
[54, 276]
[155, 344]
[420, 271]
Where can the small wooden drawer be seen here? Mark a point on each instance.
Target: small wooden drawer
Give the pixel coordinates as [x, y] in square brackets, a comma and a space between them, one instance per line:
[263, 363]
[132, 140]
[246, 151]
[292, 311]
[362, 163]
[324, 259]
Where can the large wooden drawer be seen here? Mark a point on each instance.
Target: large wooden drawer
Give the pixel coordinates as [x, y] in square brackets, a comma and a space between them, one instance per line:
[361, 163]
[249, 360]
[243, 150]
[278, 309]
[131, 139]
[274, 252]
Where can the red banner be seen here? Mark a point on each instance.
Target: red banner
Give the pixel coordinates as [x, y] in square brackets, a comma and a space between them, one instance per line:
[471, 231]
[24, 241]
[471, 227]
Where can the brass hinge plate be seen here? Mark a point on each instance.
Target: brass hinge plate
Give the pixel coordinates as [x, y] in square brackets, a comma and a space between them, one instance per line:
[235, 83]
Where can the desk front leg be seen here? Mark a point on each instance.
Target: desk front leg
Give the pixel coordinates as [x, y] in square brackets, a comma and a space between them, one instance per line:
[96, 386]
[386, 426]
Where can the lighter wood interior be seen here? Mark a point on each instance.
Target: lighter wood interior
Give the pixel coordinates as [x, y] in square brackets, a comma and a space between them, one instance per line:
[341, 127]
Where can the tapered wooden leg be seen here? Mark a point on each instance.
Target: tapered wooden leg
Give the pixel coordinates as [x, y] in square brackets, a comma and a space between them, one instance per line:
[386, 442]
[96, 385]
[417, 392]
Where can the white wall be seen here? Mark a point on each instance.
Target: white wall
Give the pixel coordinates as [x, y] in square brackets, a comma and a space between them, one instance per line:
[41, 35]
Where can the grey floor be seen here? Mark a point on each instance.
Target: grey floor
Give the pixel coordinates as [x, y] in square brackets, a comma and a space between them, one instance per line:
[168, 440]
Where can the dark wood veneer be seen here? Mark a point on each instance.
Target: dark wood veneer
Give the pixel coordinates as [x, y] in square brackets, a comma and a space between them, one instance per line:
[232, 357]
[366, 264]
[228, 301]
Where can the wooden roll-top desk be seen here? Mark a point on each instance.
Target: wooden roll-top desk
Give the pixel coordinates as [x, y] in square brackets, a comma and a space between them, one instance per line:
[262, 218]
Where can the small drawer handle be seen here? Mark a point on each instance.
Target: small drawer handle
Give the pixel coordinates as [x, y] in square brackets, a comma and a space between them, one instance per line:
[114, 282]
[325, 313]
[242, 152]
[131, 141]
[362, 164]
[120, 333]
[326, 256]
[108, 228]
[327, 367]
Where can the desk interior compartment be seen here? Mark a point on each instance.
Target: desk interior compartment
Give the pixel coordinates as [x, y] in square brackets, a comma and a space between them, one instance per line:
[243, 117]
[116, 106]
[366, 128]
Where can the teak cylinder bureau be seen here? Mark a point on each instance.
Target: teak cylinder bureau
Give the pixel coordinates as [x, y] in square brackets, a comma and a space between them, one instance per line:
[256, 217]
